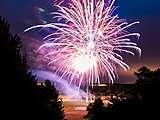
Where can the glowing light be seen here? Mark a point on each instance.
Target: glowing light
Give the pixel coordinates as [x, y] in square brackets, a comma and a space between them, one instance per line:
[91, 45]
[82, 63]
[91, 25]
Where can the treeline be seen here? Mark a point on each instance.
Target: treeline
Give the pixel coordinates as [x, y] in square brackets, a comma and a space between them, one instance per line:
[142, 100]
[21, 97]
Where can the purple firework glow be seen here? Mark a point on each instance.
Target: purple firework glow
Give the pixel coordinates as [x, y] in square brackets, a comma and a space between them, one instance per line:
[89, 42]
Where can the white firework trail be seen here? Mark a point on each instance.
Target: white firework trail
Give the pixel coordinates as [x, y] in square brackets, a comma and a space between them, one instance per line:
[89, 41]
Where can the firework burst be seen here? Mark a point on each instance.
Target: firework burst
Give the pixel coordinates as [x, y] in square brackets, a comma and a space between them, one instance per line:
[87, 41]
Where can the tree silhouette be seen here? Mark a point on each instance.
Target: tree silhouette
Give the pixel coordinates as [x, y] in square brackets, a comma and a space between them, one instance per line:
[50, 103]
[156, 79]
[18, 83]
[147, 86]
[145, 100]
[144, 81]
[57, 112]
[146, 96]
[22, 98]
[96, 111]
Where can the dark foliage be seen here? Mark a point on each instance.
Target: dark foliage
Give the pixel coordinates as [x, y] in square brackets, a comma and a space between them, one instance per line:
[96, 110]
[143, 103]
[147, 86]
[49, 104]
[21, 97]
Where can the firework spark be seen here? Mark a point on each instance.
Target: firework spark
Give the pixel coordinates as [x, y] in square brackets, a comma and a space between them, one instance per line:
[87, 41]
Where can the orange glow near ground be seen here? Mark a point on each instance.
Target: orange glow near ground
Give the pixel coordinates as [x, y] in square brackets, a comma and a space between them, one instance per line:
[75, 109]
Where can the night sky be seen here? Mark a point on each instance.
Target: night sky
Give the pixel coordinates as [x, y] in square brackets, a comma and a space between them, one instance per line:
[25, 13]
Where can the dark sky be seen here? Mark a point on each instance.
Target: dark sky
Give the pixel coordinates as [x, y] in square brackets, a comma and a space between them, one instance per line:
[23, 13]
